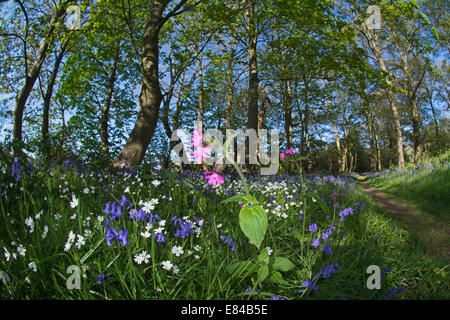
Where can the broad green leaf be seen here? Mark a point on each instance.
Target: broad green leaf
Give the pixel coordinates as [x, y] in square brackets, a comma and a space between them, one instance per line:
[282, 264]
[244, 199]
[263, 273]
[264, 256]
[276, 277]
[239, 268]
[253, 223]
[234, 198]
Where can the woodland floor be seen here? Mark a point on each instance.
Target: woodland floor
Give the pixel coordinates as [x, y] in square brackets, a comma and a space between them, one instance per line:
[435, 232]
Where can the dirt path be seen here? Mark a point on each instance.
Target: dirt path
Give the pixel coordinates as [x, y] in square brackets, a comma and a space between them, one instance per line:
[435, 233]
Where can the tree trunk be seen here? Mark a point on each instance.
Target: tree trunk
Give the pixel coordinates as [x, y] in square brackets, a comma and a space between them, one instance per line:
[252, 120]
[150, 98]
[230, 84]
[47, 100]
[377, 145]
[391, 98]
[430, 99]
[107, 105]
[31, 77]
[288, 114]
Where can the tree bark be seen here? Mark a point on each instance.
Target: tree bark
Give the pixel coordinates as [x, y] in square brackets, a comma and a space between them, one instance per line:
[47, 99]
[31, 77]
[252, 120]
[150, 97]
[107, 105]
[372, 43]
[230, 84]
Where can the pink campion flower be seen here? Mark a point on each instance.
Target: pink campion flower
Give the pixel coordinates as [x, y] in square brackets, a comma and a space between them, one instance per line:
[214, 178]
[200, 153]
[290, 151]
[282, 155]
[197, 138]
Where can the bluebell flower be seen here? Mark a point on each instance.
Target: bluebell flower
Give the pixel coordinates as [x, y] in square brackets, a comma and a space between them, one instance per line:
[276, 298]
[309, 284]
[232, 244]
[327, 249]
[385, 270]
[345, 212]
[313, 227]
[160, 237]
[101, 278]
[315, 243]
[15, 167]
[122, 237]
[249, 289]
[111, 234]
[327, 271]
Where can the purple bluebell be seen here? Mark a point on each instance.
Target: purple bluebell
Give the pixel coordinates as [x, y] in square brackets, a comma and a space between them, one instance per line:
[327, 249]
[122, 237]
[101, 278]
[309, 284]
[385, 270]
[111, 234]
[313, 227]
[160, 237]
[315, 243]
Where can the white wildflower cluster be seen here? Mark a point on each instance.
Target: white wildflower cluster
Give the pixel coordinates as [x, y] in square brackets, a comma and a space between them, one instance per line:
[29, 222]
[147, 233]
[74, 202]
[21, 250]
[167, 265]
[196, 225]
[150, 230]
[142, 257]
[44, 232]
[71, 239]
[156, 183]
[32, 265]
[149, 205]
[177, 250]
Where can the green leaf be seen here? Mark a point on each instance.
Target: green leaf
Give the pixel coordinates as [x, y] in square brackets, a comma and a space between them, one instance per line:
[239, 268]
[264, 256]
[234, 198]
[282, 264]
[263, 273]
[91, 251]
[244, 199]
[276, 277]
[253, 223]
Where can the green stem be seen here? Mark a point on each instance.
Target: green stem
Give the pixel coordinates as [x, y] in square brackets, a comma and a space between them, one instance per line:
[303, 231]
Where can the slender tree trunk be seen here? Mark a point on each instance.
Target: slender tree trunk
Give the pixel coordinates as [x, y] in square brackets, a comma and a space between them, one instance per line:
[107, 105]
[370, 131]
[430, 100]
[288, 114]
[338, 145]
[230, 84]
[31, 77]
[47, 100]
[378, 147]
[252, 114]
[391, 98]
[150, 98]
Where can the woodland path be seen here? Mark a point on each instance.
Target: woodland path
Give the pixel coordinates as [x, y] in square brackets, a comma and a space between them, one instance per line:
[435, 233]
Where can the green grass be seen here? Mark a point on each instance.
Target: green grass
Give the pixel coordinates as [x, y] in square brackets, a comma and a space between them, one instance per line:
[369, 239]
[426, 185]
